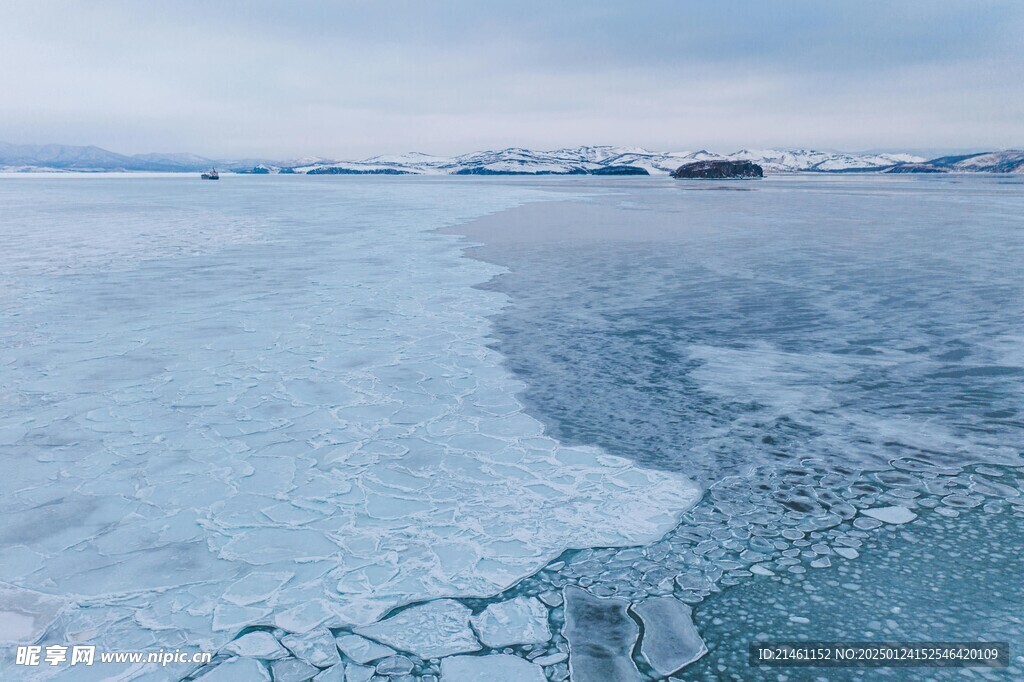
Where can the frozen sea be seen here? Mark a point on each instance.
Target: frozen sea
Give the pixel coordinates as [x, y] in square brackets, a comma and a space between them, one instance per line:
[642, 423]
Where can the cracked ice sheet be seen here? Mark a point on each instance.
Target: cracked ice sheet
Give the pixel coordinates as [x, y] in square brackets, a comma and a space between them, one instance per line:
[295, 420]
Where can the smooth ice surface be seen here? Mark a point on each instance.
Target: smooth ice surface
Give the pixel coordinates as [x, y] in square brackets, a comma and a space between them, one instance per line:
[670, 640]
[360, 649]
[601, 637]
[894, 515]
[257, 645]
[292, 670]
[493, 668]
[238, 670]
[437, 628]
[272, 402]
[522, 620]
[25, 614]
[319, 649]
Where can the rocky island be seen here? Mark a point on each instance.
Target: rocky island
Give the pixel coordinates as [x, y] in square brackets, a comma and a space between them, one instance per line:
[714, 170]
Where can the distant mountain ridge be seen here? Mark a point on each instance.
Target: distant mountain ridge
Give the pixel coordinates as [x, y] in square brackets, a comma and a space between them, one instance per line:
[593, 160]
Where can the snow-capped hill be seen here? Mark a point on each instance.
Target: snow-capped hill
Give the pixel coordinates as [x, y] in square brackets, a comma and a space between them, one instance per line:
[60, 156]
[408, 159]
[516, 160]
[1007, 161]
[809, 160]
[595, 159]
[583, 160]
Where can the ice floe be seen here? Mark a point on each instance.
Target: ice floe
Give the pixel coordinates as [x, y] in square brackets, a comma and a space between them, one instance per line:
[319, 649]
[293, 670]
[893, 515]
[312, 432]
[362, 650]
[431, 630]
[493, 668]
[601, 637]
[25, 615]
[670, 640]
[257, 645]
[238, 670]
[521, 620]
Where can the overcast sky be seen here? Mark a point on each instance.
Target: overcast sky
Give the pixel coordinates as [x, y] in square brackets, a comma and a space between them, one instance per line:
[349, 79]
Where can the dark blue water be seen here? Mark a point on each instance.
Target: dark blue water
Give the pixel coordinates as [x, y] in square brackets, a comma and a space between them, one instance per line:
[806, 350]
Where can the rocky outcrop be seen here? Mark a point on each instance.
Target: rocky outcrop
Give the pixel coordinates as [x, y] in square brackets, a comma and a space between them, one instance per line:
[619, 170]
[916, 168]
[714, 170]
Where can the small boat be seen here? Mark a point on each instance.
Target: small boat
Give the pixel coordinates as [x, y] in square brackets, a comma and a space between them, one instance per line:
[212, 175]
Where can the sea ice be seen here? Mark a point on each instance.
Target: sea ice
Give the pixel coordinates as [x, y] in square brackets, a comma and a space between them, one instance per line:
[257, 645]
[335, 673]
[522, 620]
[313, 432]
[319, 649]
[670, 639]
[551, 659]
[358, 673]
[393, 666]
[25, 615]
[601, 637]
[362, 650]
[437, 628]
[238, 670]
[893, 515]
[292, 670]
[493, 668]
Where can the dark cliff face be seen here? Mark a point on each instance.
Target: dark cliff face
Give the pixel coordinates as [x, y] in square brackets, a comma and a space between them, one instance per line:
[711, 170]
[916, 168]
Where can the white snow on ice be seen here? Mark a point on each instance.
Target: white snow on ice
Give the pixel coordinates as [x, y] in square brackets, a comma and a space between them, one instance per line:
[272, 402]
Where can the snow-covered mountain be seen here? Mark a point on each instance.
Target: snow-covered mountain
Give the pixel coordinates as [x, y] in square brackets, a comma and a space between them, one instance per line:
[1008, 161]
[61, 157]
[587, 160]
[609, 160]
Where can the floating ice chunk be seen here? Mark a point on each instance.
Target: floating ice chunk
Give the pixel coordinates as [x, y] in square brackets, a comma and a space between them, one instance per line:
[257, 645]
[847, 552]
[335, 673]
[761, 569]
[394, 665]
[551, 598]
[237, 670]
[493, 668]
[431, 630]
[601, 637]
[292, 670]
[358, 673]
[318, 649]
[522, 620]
[25, 615]
[670, 641]
[362, 650]
[551, 659]
[893, 515]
